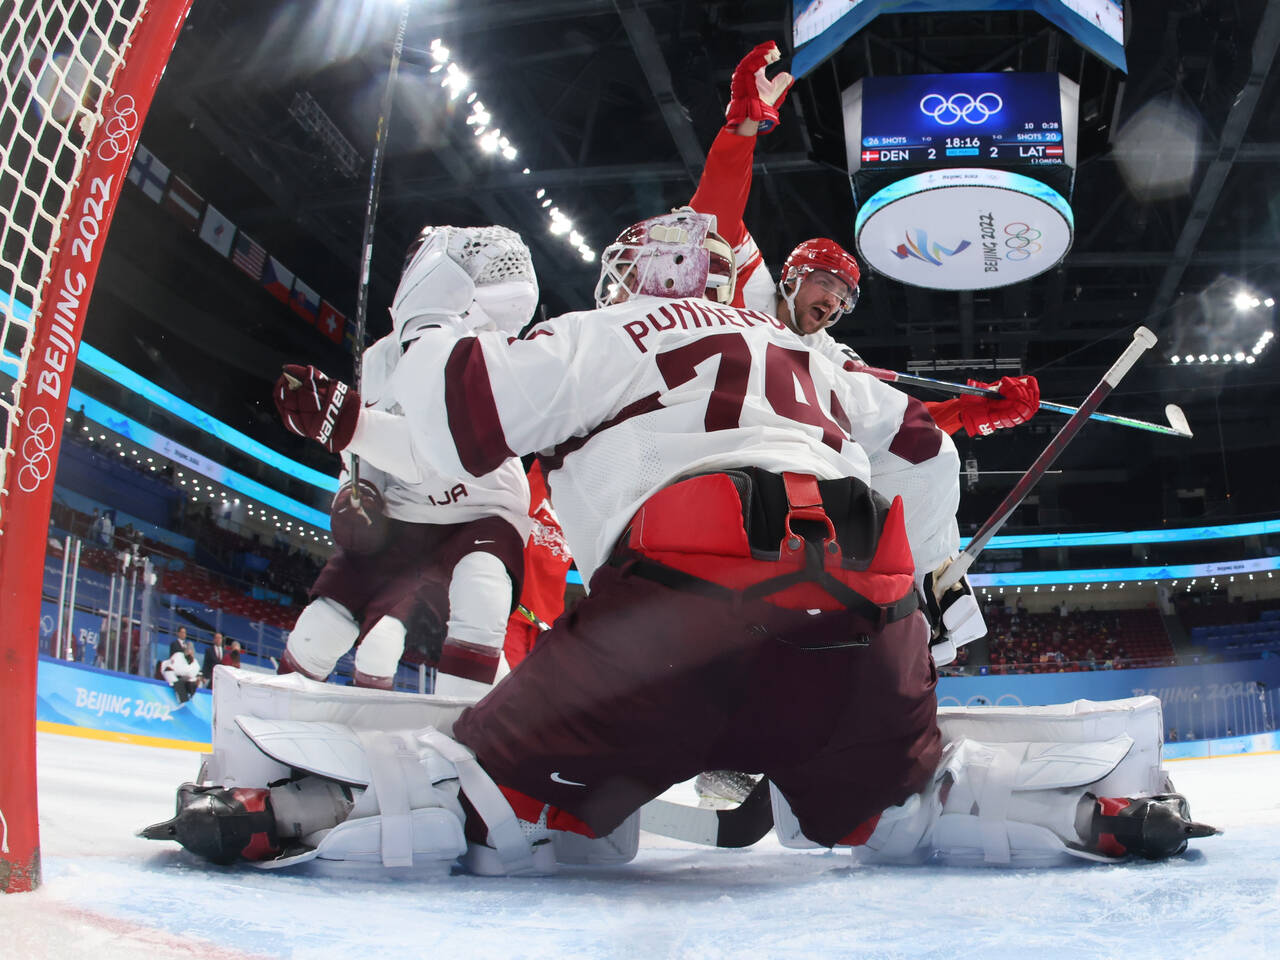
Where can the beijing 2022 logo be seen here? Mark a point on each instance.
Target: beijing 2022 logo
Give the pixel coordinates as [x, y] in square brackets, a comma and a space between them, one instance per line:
[920, 248]
[961, 106]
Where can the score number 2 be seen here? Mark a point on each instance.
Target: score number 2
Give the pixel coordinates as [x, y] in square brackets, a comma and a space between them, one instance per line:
[784, 369]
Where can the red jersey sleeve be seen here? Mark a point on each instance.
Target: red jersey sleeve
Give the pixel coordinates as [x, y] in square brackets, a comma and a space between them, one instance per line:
[723, 190]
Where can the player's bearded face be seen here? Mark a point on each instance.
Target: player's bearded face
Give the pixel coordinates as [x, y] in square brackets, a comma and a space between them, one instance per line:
[819, 301]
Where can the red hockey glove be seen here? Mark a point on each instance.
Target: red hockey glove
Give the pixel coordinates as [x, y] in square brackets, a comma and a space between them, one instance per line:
[1018, 402]
[752, 95]
[313, 406]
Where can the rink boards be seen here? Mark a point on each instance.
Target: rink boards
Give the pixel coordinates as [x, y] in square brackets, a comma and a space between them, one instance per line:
[88, 702]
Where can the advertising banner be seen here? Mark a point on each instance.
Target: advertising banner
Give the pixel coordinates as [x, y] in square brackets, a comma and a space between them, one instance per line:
[131, 709]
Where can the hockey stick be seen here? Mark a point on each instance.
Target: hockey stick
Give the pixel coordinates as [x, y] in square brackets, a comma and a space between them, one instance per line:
[740, 826]
[1177, 426]
[370, 215]
[1143, 340]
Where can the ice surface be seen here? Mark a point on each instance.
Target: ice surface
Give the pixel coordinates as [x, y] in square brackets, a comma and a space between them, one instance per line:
[108, 895]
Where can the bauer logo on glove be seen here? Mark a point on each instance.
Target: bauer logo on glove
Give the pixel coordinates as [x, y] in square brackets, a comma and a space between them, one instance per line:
[314, 406]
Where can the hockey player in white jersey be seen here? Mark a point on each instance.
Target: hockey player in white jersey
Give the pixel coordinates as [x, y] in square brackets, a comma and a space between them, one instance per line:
[706, 472]
[451, 541]
[751, 606]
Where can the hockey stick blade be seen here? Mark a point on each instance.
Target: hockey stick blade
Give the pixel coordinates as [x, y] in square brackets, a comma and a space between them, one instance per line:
[1177, 426]
[1143, 340]
[1177, 419]
[740, 826]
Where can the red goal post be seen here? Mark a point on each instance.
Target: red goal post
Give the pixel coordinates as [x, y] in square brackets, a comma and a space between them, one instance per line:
[76, 82]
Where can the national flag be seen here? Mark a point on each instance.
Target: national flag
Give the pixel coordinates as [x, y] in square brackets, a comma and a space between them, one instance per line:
[330, 322]
[277, 280]
[183, 202]
[217, 231]
[148, 174]
[248, 256]
[304, 301]
[1053, 151]
[870, 156]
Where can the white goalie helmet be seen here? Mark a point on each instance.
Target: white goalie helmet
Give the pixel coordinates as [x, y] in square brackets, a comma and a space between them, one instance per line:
[480, 278]
[676, 255]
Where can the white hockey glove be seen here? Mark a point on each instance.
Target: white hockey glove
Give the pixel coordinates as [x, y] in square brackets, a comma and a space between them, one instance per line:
[954, 614]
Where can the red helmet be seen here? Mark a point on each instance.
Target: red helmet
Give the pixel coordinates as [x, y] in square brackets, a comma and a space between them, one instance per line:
[822, 254]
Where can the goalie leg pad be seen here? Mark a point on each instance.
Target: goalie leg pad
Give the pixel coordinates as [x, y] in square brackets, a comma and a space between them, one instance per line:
[325, 630]
[237, 761]
[379, 653]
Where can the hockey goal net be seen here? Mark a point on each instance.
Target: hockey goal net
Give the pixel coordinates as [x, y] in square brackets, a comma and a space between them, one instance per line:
[76, 80]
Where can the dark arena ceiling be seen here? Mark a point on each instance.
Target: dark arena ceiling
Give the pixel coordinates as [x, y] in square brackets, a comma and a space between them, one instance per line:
[611, 105]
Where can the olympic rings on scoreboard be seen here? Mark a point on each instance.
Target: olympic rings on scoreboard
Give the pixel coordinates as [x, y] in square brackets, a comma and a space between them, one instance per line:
[961, 106]
[1021, 241]
[118, 129]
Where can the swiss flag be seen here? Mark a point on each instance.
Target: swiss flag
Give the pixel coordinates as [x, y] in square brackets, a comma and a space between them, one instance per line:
[870, 156]
[330, 322]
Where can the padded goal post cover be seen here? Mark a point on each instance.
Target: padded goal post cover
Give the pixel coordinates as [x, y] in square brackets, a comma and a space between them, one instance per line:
[100, 135]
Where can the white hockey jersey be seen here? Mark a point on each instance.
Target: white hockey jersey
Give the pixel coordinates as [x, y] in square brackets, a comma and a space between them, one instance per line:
[624, 400]
[432, 496]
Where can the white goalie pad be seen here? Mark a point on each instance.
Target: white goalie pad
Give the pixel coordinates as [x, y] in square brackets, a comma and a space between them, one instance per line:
[409, 811]
[237, 762]
[1010, 781]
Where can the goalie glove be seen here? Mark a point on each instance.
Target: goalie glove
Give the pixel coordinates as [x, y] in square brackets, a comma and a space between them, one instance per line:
[954, 615]
[313, 406]
[752, 95]
[1018, 402]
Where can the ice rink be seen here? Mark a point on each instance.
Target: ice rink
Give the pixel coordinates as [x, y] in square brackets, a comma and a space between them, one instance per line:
[108, 895]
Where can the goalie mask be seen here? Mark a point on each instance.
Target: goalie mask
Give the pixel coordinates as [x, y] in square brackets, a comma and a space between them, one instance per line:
[480, 278]
[676, 255]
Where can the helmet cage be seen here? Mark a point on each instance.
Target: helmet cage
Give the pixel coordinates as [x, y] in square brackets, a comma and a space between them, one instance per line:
[675, 255]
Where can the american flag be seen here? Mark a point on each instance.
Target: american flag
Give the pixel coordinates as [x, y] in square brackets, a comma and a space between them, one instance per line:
[248, 256]
[870, 156]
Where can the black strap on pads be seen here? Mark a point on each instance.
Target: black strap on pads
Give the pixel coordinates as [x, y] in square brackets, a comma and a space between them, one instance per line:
[857, 512]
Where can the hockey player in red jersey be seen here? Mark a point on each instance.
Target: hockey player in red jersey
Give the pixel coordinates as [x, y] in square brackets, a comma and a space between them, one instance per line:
[819, 279]
[546, 567]
[454, 543]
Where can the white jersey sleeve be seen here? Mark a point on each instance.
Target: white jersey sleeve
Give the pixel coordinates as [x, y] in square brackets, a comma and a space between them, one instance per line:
[622, 401]
[416, 494]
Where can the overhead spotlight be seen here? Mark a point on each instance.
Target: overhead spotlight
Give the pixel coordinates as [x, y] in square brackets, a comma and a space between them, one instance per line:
[439, 52]
[1175, 359]
[1269, 302]
[1204, 358]
[1248, 359]
[1213, 357]
[546, 203]
[542, 192]
[588, 255]
[1239, 356]
[1243, 300]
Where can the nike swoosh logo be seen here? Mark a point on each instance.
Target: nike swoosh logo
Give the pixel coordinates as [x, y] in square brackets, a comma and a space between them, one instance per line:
[478, 542]
[556, 778]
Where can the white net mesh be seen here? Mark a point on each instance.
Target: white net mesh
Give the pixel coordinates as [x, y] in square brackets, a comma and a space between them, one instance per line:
[490, 254]
[57, 62]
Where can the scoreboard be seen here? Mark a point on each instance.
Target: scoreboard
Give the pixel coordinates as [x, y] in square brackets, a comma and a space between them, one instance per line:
[962, 180]
[955, 120]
